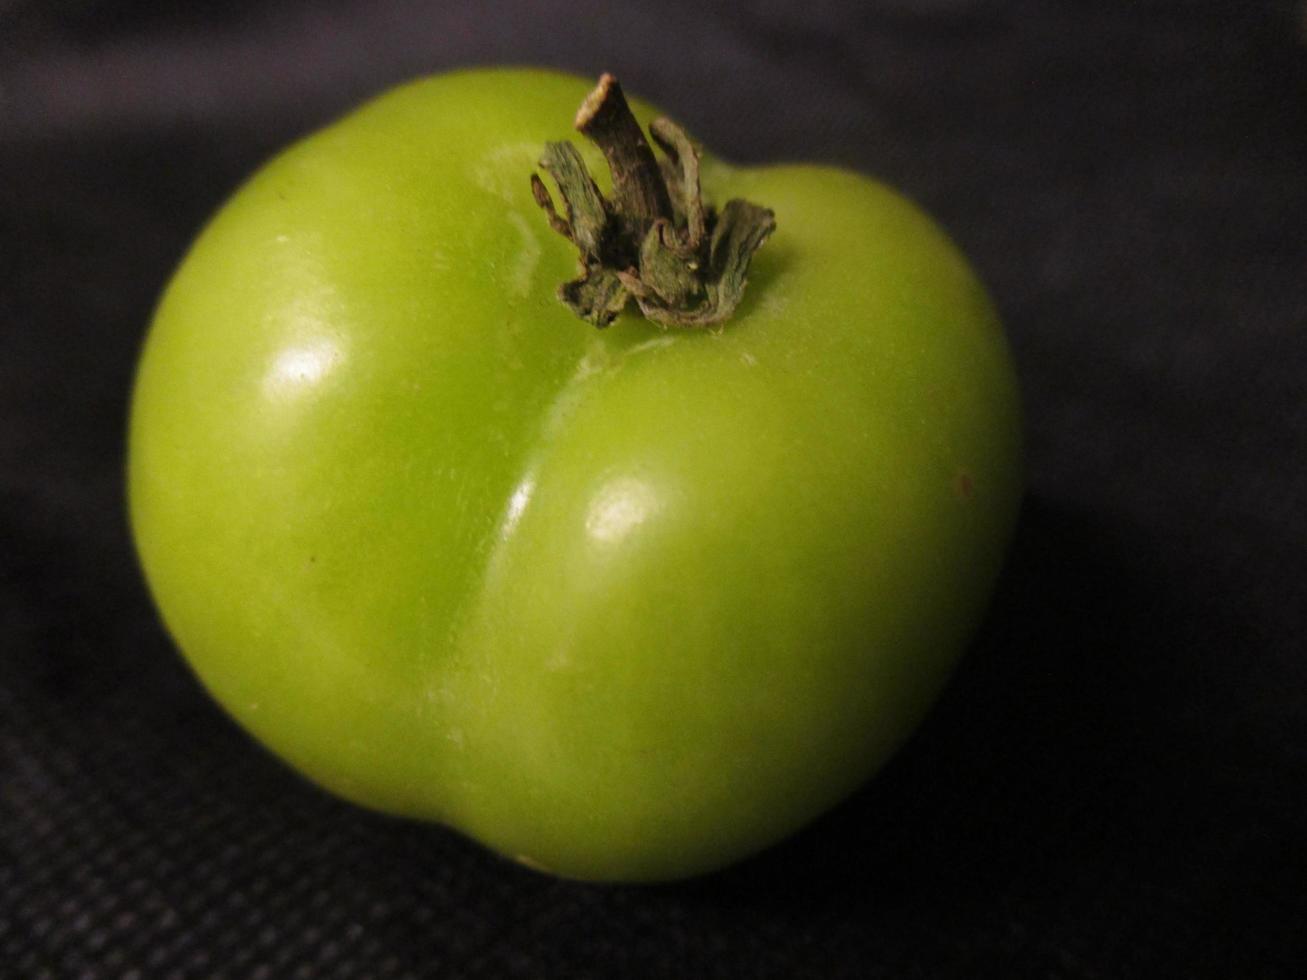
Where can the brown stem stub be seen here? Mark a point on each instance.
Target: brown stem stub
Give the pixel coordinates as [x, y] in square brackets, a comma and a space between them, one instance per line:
[655, 241]
[606, 120]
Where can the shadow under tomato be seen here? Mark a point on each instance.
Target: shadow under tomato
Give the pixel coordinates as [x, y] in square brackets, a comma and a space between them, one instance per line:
[1043, 750]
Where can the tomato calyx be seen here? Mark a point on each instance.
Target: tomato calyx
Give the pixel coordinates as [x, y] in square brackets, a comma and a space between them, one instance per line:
[656, 241]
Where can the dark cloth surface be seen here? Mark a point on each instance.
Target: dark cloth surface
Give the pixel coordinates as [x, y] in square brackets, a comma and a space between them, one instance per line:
[1115, 785]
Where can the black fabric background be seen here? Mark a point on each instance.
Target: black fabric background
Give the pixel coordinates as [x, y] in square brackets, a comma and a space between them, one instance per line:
[1116, 783]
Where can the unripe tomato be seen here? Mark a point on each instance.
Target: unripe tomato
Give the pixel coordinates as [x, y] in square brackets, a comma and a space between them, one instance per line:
[628, 603]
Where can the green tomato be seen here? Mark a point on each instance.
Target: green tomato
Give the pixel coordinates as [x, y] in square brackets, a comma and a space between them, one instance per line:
[625, 604]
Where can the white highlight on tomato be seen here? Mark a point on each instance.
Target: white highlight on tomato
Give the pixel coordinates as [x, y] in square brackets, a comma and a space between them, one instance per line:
[619, 507]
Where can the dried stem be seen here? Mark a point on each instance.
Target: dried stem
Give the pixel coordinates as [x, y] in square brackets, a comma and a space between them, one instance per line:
[655, 241]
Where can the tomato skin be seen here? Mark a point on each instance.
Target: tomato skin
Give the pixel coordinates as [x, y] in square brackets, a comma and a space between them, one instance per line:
[626, 604]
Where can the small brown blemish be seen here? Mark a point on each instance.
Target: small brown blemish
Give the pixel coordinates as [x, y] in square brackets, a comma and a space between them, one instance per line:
[963, 484]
